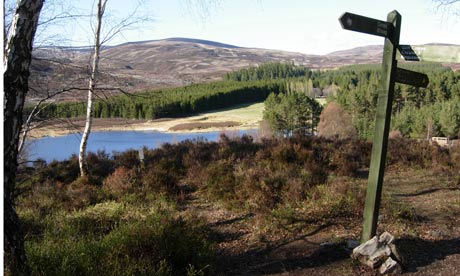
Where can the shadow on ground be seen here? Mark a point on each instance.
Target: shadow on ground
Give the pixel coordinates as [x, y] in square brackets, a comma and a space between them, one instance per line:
[283, 256]
[417, 253]
[301, 255]
[429, 191]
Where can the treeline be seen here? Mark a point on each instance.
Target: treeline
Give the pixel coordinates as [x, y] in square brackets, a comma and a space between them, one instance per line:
[171, 102]
[417, 112]
[268, 71]
[294, 112]
[236, 88]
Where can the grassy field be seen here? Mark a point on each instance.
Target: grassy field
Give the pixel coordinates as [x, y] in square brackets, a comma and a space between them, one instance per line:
[251, 112]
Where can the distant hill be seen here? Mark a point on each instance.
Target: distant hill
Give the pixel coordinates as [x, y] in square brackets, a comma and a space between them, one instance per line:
[184, 39]
[134, 66]
[370, 51]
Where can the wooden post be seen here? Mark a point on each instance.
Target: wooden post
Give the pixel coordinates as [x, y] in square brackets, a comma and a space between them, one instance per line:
[389, 29]
[141, 159]
[380, 142]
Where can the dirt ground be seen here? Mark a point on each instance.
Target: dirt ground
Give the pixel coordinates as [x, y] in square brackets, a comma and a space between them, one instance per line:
[429, 243]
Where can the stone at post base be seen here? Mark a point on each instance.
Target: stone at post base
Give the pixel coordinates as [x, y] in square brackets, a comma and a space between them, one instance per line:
[390, 266]
[377, 253]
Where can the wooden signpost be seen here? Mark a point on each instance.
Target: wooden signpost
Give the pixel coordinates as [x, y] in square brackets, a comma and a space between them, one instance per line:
[389, 29]
[411, 78]
[431, 53]
[362, 24]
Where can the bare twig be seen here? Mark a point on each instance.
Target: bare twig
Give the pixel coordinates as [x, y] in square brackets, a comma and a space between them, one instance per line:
[35, 111]
[448, 7]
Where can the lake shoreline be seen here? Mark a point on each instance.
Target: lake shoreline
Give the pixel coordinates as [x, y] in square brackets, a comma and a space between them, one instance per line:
[244, 118]
[63, 128]
[63, 147]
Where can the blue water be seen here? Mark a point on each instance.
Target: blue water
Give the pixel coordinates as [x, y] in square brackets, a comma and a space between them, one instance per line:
[62, 147]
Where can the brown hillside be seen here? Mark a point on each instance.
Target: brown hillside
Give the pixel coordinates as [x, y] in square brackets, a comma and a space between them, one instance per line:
[170, 62]
[135, 66]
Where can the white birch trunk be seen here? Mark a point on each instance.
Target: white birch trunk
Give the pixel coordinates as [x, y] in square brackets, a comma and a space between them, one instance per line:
[92, 84]
[16, 60]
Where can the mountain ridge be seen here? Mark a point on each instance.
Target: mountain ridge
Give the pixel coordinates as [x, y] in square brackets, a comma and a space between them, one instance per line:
[176, 61]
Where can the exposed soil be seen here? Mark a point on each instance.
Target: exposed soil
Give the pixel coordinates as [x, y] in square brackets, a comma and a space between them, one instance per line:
[429, 241]
[206, 125]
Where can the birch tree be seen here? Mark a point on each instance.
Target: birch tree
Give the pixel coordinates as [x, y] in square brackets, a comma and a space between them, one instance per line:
[16, 61]
[102, 36]
[101, 4]
[57, 17]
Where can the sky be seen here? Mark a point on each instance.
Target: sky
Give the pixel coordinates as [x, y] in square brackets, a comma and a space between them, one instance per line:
[309, 27]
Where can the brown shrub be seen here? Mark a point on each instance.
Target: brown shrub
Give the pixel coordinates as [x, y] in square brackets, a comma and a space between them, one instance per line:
[349, 156]
[284, 153]
[395, 134]
[82, 193]
[64, 171]
[100, 165]
[334, 121]
[236, 148]
[294, 191]
[261, 186]
[355, 191]
[455, 158]
[421, 154]
[265, 131]
[44, 198]
[162, 176]
[196, 177]
[128, 159]
[220, 181]
[199, 153]
[120, 181]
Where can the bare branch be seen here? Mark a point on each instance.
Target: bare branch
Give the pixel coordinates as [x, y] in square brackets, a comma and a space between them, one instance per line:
[445, 2]
[131, 22]
[62, 16]
[448, 7]
[202, 9]
[35, 111]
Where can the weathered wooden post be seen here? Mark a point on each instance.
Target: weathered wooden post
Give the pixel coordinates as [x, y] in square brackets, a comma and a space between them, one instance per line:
[389, 29]
[382, 126]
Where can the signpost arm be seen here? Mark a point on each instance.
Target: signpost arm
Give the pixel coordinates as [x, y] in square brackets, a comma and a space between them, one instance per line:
[380, 142]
